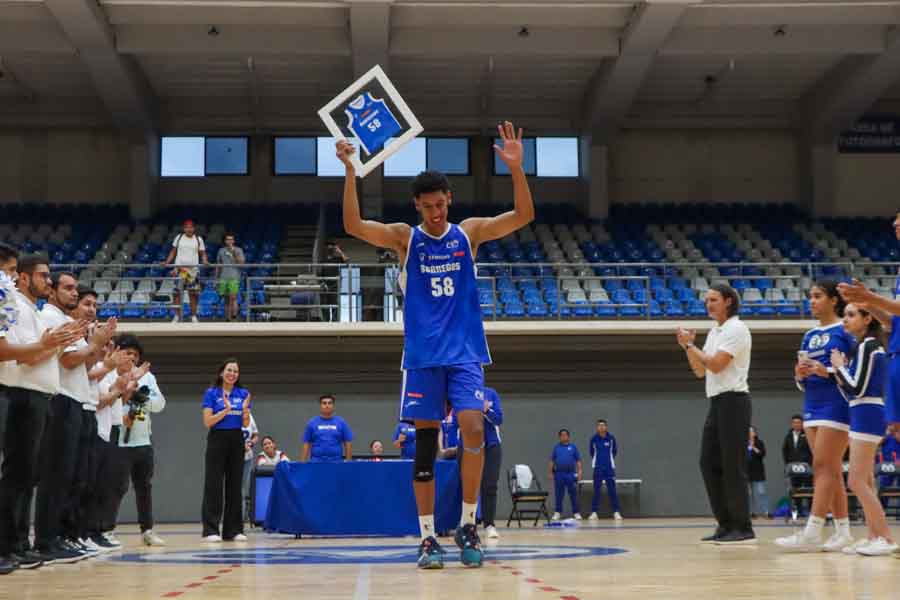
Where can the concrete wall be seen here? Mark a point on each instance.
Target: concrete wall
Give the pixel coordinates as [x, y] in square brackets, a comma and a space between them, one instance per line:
[866, 184]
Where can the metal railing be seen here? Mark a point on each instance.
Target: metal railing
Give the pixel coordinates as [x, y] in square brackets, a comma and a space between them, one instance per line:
[350, 292]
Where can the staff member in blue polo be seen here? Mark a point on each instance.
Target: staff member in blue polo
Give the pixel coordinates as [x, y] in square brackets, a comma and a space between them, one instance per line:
[327, 437]
[226, 410]
[565, 470]
[604, 450]
[405, 439]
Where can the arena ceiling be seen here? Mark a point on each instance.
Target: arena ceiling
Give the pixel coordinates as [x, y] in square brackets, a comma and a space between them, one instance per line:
[559, 65]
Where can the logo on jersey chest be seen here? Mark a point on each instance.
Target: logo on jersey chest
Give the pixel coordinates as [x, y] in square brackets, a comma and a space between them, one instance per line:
[452, 244]
[819, 341]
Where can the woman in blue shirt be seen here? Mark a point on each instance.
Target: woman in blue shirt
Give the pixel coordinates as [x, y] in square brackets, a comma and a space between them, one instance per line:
[226, 410]
[826, 420]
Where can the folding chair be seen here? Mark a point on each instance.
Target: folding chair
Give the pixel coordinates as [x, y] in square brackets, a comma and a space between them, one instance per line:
[891, 472]
[529, 495]
[800, 476]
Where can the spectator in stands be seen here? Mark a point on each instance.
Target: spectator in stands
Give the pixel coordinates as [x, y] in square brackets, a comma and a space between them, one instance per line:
[250, 433]
[229, 259]
[135, 456]
[327, 437]
[565, 471]
[795, 449]
[270, 455]
[604, 449]
[335, 254]
[405, 439]
[724, 362]
[226, 413]
[376, 449]
[188, 251]
[756, 471]
[33, 379]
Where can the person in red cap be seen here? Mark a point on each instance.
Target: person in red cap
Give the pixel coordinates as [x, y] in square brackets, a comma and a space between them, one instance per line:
[187, 252]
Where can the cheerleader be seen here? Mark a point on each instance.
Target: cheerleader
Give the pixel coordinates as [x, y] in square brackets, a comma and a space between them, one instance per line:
[862, 384]
[826, 420]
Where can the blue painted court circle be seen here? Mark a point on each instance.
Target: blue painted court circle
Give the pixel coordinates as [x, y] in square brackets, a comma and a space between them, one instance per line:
[354, 555]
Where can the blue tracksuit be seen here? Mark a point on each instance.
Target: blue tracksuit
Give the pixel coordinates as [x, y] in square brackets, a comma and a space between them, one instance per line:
[565, 474]
[603, 458]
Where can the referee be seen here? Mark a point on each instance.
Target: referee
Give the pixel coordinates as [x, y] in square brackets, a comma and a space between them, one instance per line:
[725, 363]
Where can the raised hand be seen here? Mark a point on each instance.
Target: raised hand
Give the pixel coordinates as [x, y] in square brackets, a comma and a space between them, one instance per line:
[344, 151]
[512, 151]
[139, 372]
[854, 292]
[685, 337]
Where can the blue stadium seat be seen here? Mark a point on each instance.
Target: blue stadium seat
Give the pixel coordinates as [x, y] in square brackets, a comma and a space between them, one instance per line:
[537, 310]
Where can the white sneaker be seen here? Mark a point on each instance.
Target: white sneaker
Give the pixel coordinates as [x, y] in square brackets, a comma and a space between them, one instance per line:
[577, 516]
[194, 319]
[617, 516]
[878, 547]
[593, 517]
[176, 319]
[90, 545]
[111, 538]
[212, 539]
[837, 542]
[151, 539]
[239, 538]
[852, 548]
[799, 542]
[555, 517]
[491, 532]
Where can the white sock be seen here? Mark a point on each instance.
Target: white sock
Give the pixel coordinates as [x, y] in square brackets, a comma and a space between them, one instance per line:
[426, 526]
[842, 526]
[468, 514]
[814, 526]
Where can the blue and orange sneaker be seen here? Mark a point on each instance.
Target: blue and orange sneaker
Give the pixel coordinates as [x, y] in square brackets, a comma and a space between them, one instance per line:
[469, 543]
[431, 555]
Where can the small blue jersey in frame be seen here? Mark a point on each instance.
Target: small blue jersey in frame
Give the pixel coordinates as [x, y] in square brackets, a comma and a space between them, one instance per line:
[372, 122]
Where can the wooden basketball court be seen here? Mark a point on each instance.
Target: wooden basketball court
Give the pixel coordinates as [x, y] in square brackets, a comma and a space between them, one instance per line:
[639, 559]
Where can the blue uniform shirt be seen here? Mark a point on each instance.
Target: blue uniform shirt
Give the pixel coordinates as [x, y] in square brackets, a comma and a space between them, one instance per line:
[493, 419]
[326, 438]
[372, 122]
[894, 342]
[890, 450]
[441, 312]
[603, 453]
[564, 457]
[819, 342]
[215, 400]
[408, 446]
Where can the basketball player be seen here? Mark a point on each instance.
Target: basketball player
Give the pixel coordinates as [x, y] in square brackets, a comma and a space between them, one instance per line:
[826, 420]
[444, 342]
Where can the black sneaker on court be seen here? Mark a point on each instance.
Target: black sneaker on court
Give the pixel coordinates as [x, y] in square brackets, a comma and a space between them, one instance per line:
[56, 553]
[77, 545]
[737, 538]
[711, 539]
[103, 543]
[27, 559]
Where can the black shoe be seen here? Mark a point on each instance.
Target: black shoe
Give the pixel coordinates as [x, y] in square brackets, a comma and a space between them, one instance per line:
[737, 538]
[711, 539]
[103, 543]
[55, 553]
[27, 559]
[77, 545]
[8, 565]
[66, 544]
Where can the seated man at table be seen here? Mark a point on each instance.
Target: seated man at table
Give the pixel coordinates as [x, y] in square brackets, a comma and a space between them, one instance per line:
[327, 437]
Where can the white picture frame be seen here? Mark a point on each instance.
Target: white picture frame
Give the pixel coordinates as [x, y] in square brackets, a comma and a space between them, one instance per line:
[415, 128]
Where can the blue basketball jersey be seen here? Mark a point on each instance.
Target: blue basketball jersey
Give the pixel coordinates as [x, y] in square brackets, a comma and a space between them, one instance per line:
[372, 122]
[894, 341]
[441, 312]
[819, 342]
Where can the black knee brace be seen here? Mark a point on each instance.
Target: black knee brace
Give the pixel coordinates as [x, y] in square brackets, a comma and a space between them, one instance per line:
[426, 453]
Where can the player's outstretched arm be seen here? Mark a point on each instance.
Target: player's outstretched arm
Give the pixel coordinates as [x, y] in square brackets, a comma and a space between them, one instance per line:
[394, 235]
[491, 228]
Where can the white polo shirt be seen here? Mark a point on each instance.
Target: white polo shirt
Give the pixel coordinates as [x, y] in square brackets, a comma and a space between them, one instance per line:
[72, 382]
[28, 329]
[187, 249]
[110, 415]
[733, 337]
[8, 315]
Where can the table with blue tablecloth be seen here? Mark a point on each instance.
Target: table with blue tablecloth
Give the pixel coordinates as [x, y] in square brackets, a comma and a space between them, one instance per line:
[358, 498]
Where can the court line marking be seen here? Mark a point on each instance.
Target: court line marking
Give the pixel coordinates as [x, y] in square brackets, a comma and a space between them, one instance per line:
[362, 583]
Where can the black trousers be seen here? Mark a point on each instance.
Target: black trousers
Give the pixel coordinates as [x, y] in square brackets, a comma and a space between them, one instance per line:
[493, 458]
[26, 418]
[103, 507]
[58, 460]
[723, 460]
[74, 517]
[4, 409]
[224, 467]
[135, 464]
